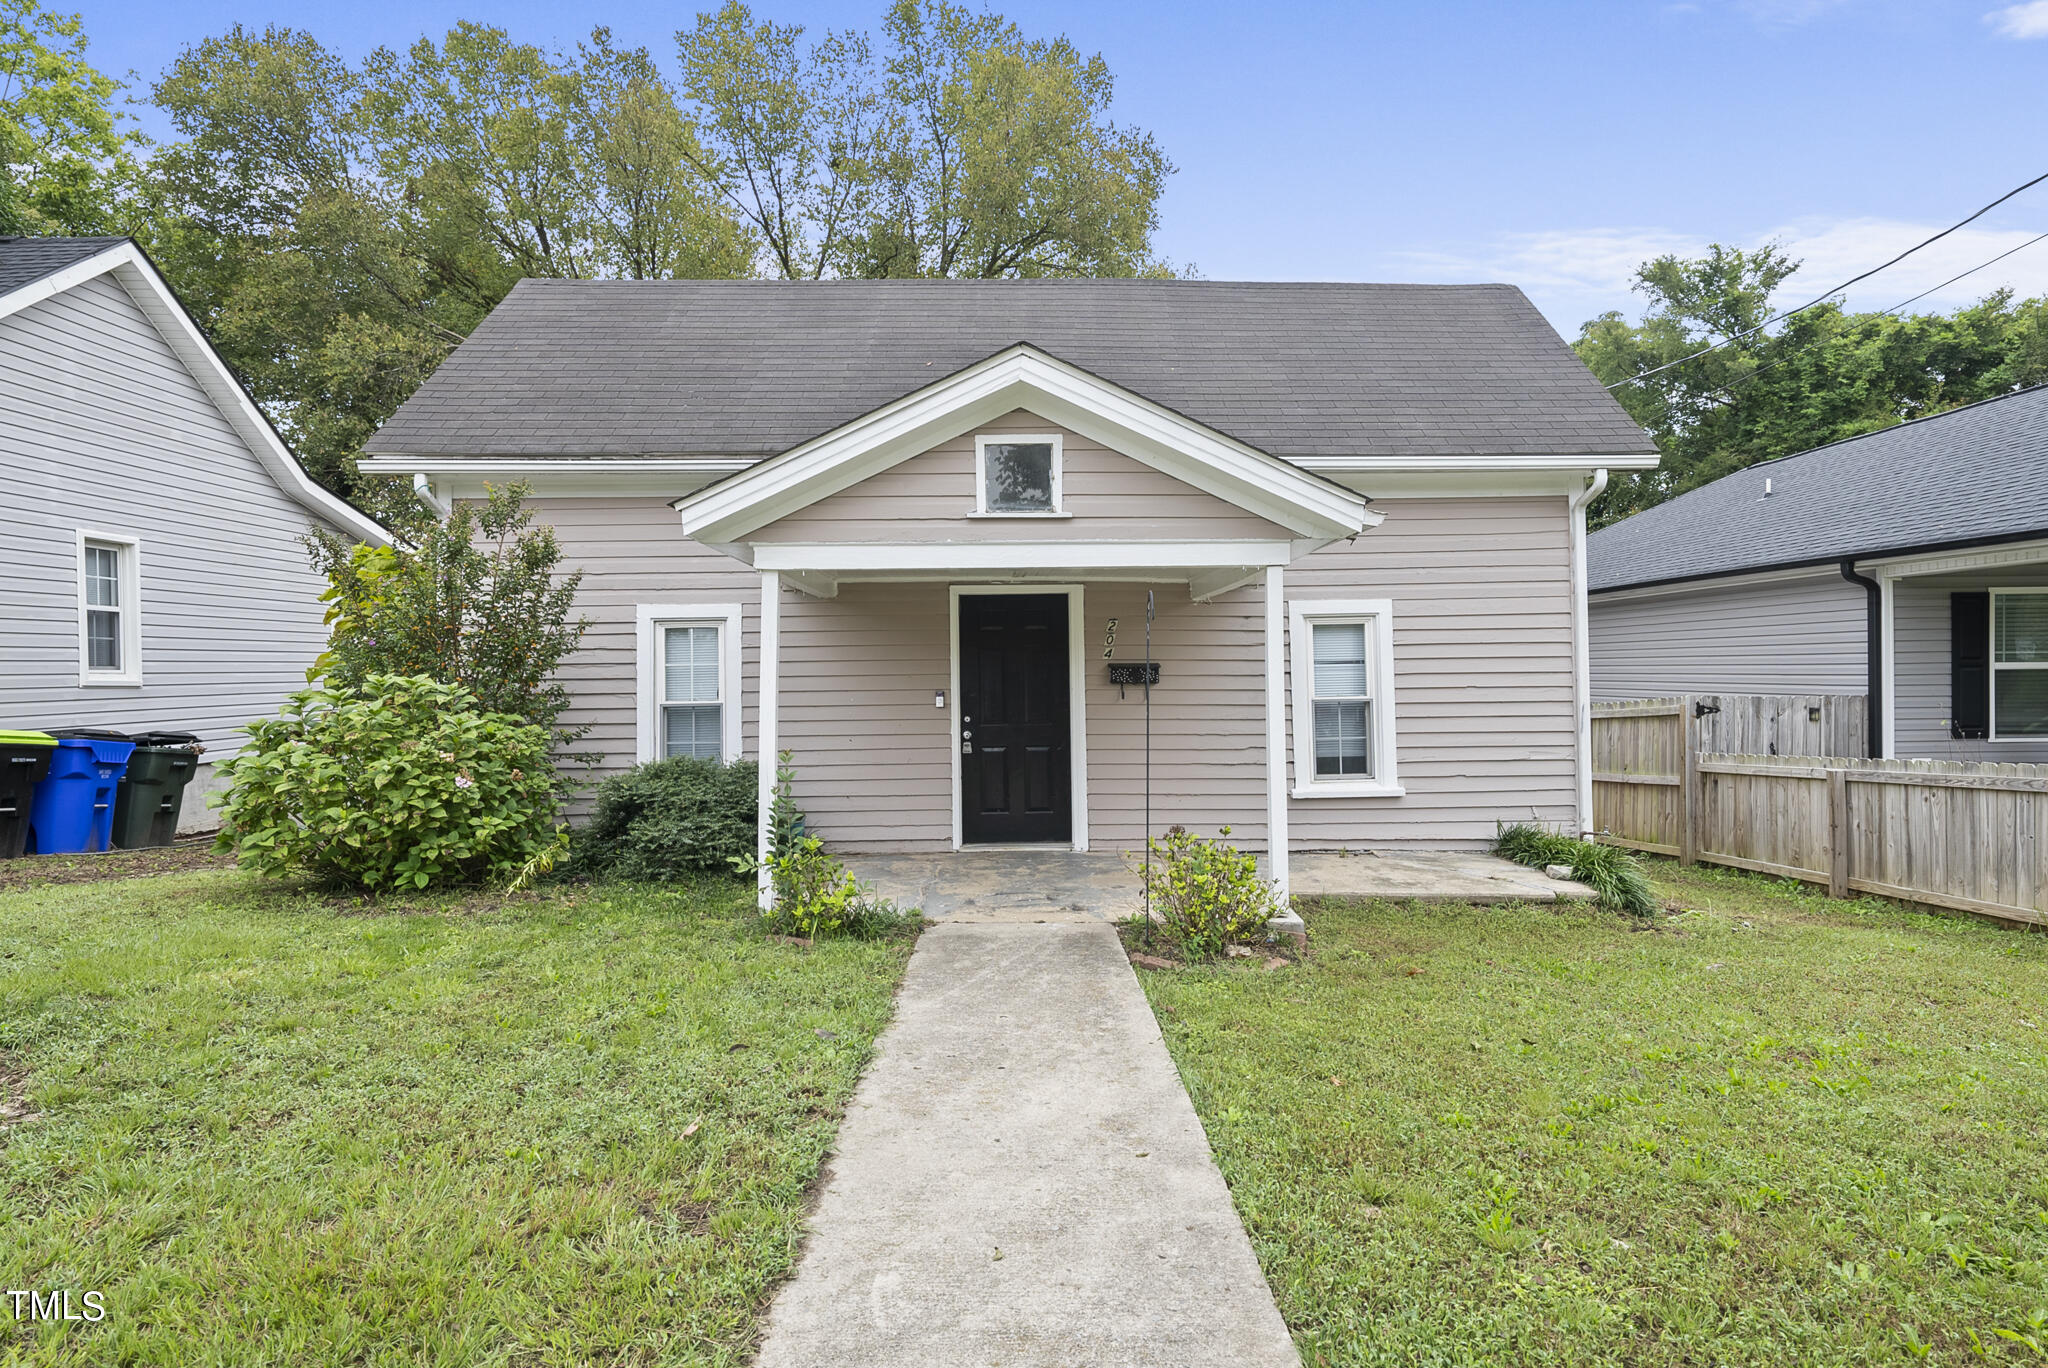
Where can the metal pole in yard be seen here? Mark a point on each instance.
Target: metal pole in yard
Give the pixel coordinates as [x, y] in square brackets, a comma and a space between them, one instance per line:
[1148, 755]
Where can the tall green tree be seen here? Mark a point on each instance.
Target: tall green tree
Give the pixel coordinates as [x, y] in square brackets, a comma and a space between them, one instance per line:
[1765, 392]
[66, 152]
[963, 149]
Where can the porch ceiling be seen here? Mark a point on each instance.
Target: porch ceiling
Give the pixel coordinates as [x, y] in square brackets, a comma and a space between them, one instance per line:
[1208, 568]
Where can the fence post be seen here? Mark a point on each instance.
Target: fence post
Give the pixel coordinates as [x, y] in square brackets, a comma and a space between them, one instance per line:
[1838, 833]
[1688, 783]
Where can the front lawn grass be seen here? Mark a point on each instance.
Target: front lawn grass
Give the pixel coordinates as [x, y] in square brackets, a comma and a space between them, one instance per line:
[275, 1128]
[1779, 1130]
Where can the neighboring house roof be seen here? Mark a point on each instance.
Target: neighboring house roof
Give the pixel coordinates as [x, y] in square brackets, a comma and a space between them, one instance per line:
[687, 368]
[1974, 474]
[35, 269]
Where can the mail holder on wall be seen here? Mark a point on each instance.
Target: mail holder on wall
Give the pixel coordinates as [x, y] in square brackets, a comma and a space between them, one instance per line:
[1140, 675]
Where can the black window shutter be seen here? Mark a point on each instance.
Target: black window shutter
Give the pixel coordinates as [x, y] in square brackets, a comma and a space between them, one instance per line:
[1969, 665]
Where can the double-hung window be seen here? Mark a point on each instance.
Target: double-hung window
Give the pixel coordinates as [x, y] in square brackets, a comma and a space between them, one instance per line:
[1343, 698]
[1018, 476]
[109, 609]
[689, 682]
[2019, 663]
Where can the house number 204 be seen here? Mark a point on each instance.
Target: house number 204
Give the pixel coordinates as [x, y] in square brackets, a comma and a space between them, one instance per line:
[1109, 640]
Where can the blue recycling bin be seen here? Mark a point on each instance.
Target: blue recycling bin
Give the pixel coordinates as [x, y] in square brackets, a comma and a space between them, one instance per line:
[73, 806]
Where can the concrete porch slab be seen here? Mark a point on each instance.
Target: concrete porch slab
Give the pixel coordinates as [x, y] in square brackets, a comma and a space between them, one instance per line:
[1053, 885]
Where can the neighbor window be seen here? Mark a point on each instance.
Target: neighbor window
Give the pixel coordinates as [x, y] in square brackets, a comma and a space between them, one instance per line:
[2019, 663]
[1018, 475]
[692, 713]
[1343, 666]
[108, 614]
[689, 681]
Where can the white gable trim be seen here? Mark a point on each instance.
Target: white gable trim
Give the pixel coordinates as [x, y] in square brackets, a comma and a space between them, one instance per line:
[152, 294]
[1024, 377]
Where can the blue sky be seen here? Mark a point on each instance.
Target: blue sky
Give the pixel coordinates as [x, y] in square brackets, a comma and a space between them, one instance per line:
[1549, 144]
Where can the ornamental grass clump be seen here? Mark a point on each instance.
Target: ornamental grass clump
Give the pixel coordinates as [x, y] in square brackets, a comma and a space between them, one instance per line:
[405, 785]
[1609, 871]
[1208, 894]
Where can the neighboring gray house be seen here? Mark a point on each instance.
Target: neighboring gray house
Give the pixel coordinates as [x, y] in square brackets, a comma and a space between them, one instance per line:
[906, 530]
[149, 516]
[1909, 565]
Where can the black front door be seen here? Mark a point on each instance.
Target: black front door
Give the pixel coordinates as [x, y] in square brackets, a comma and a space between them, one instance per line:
[1015, 776]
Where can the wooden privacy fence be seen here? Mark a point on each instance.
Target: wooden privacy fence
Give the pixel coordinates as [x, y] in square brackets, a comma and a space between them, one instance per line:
[1954, 834]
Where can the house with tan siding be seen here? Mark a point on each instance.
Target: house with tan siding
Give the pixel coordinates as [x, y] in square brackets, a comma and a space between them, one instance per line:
[929, 536]
[1908, 566]
[151, 569]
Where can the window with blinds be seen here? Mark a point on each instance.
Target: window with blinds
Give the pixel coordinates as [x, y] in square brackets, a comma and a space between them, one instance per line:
[1342, 693]
[692, 710]
[2019, 663]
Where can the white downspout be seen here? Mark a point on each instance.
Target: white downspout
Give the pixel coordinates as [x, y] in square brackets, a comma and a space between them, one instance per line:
[423, 490]
[1582, 674]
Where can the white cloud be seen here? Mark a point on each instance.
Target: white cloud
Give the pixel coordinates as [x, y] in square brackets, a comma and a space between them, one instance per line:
[1574, 275]
[2029, 20]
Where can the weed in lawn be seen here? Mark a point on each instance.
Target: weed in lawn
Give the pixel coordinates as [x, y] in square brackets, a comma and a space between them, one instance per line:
[1807, 1132]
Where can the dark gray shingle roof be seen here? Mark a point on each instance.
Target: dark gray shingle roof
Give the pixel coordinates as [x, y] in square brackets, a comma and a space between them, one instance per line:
[1978, 473]
[726, 368]
[25, 260]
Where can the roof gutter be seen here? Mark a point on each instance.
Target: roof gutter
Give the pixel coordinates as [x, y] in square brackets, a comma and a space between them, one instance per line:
[1873, 650]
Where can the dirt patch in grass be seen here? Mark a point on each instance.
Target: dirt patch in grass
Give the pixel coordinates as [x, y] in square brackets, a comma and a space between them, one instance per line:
[49, 871]
[15, 1107]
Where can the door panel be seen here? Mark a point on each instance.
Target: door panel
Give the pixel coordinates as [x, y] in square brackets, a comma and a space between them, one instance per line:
[1015, 771]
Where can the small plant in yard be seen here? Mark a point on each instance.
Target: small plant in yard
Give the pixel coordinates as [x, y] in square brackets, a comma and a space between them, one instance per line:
[668, 818]
[1207, 894]
[816, 896]
[407, 786]
[1614, 874]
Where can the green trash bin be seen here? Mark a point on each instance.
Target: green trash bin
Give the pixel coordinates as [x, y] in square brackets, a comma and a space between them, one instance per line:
[24, 760]
[153, 789]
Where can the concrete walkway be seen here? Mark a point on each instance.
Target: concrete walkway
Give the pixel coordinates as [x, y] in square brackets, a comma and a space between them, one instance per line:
[1022, 1181]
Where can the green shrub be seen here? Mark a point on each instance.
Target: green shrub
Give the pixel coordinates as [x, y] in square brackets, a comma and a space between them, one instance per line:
[815, 896]
[1609, 871]
[409, 785]
[1208, 894]
[668, 818]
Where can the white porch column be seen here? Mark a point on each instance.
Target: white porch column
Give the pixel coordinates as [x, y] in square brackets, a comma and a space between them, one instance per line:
[768, 685]
[1276, 727]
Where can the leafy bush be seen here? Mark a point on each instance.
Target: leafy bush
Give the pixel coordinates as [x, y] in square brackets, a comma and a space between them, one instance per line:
[1609, 871]
[1208, 894]
[477, 600]
[815, 896]
[668, 818]
[409, 786]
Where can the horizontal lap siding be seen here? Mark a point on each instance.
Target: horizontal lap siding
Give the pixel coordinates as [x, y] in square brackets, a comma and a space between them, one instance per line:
[1208, 716]
[102, 427]
[928, 499]
[1484, 719]
[1920, 671]
[1795, 636]
[631, 552]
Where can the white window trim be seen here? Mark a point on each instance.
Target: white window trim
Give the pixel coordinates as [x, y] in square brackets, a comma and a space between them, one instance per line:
[1052, 439]
[1302, 615]
[651, 620]
[1992, 653]
[130, 674]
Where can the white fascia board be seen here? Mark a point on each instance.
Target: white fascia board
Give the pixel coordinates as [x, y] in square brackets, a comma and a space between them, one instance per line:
[859, 557]
[1957, 561]
[1023, 377]
[152, 294]
[1474, 462]
[520, 467]
[469, 478]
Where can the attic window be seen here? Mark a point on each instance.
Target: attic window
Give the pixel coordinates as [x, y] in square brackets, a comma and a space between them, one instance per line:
[1017, 475]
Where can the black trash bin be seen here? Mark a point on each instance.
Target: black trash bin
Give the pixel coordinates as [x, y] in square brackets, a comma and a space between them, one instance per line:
[151, 792]
[24, 760]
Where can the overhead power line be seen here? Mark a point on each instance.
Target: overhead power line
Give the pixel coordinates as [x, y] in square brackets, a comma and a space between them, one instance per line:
[1822, 299]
